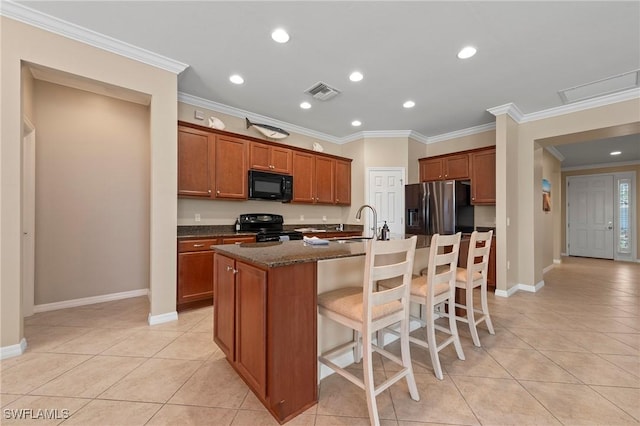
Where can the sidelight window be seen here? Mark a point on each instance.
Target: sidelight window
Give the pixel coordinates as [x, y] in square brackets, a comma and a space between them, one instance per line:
[624, 243]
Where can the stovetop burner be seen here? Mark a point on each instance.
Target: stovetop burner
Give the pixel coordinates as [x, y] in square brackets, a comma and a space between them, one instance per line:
[268, 227]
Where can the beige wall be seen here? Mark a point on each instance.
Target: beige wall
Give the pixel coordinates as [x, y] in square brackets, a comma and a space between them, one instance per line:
[416, 150]
[592, 171]
[92, 203]
[530, 216]
[21, 42]
[27, 94]
[548, 245]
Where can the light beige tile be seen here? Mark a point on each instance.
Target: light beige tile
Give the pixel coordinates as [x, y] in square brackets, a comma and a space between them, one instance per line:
[440, 401]
[627, 399]
[6, 398]
[477, 363]
[204, 326]
[154, 381]
[170, 415]
[577, 404]
[93, 342]
[43, 338]
[503, 338]
[502, 401]
[631, 339]
[626, 362]
[599, 343]
[90, 378]
[195, 346]
[264, 418]
[547, 340]
[593, 369]
[37, 370]
[340, 397]
[143, 343]
[41, 410]
[350, 421]
[215, 384]
[104, 412]
[186, 321]
[528, 364]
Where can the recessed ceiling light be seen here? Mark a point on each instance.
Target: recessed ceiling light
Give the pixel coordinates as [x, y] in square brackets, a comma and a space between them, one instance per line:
[356, 76]
[356, 123]
[467, 52]
[236, 79]
[615, 153]
[279, 35]
[409, 104]
[305, 105]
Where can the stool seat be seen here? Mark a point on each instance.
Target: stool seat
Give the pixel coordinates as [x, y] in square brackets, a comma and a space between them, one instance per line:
[347, 301]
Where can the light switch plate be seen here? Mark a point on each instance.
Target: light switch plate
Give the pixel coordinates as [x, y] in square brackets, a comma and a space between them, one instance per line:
[199, 115]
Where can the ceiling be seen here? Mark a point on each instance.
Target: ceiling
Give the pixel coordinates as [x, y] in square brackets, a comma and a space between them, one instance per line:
[527, 53]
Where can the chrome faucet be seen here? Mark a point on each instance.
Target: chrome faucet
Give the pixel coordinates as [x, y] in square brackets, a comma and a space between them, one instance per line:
[375, 218]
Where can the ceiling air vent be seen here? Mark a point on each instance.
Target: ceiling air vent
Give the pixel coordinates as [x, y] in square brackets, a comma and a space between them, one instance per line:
[322, 91]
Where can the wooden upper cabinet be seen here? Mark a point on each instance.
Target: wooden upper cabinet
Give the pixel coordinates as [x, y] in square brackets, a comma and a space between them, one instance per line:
[343, 182]
[194, 162]
[303, 177]
[270, 158]
[230, 168]
[431, 169]
[325, 180]
[483, 177]
[445, 168]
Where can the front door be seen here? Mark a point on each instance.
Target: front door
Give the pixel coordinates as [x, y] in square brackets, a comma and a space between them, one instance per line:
[386, 194]
[590, 222]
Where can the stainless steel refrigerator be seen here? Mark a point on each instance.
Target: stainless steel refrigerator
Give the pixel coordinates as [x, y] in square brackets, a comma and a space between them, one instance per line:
[442, 207]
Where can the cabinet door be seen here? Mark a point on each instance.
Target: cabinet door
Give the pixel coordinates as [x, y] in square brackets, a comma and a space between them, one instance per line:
[231, 168]
[238, 240]
[303, 177]
[259, 156]
[456, 167]
[491, 272]
[224, 302]
[194, 162]
[343, 182]
[251, 325]
[281, 159]
[483, 177]
[325, 180]
[195, 276]
[431, 170]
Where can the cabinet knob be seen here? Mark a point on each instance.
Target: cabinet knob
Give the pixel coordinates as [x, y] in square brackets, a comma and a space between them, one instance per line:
[217, 192]
[231, 269]
[209, 192]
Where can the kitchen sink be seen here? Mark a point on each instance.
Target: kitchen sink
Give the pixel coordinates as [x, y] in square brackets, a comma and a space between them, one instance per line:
[342, 240]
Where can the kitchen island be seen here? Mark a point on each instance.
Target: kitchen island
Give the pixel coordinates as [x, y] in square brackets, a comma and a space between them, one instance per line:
[265, 314]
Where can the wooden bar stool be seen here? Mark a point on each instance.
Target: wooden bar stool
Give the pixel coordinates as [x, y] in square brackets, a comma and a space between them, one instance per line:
[366, 310]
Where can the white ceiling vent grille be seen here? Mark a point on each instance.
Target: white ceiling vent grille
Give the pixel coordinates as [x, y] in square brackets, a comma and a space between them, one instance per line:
[606, 86]
[322, 91]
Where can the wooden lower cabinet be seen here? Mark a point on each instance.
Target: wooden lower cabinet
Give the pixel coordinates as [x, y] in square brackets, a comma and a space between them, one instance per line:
[265, 323]
[195, 273]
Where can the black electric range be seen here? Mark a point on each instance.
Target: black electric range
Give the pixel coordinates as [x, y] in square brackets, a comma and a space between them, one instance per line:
[268, 227]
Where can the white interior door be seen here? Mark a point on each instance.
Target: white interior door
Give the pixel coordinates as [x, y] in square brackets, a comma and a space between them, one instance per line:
[28, 217]
[590, 216]
[386, 194]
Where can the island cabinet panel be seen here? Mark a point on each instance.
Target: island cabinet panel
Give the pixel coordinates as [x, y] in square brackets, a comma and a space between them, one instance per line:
[483, 177]
[325, 180]
[195, 158]
[270, 158]
[343, 182]
[251, 326]
[224, 312]
[304, 171]
[265, 323]
[231, 168]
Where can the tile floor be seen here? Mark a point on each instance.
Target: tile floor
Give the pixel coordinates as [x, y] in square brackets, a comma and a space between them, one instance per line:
[569, 354]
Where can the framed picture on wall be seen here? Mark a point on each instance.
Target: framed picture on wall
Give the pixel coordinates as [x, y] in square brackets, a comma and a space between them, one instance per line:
[546, 195]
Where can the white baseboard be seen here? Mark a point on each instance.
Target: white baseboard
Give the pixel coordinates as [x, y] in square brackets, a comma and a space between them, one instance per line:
[89, 300]
[13, 350]
[518, 287]
[162, 318]
[564, 254]
[548, 268]
[557, 261]
[507, 293]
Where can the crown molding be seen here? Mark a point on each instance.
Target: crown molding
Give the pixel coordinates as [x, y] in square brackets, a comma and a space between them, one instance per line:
[241, 113]
[510, 109]
[554, 151]
[54, 25]
[604, 100]
[601, 166]
[460, 133]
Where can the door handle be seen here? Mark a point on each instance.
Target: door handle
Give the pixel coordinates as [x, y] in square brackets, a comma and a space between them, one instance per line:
[610, 226]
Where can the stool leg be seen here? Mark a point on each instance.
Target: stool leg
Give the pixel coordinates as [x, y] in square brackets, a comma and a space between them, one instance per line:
[470, 316]
[453, 327]
[406, 360]
[357, 348]
[369, 386]
[431, 342]
[485, 307]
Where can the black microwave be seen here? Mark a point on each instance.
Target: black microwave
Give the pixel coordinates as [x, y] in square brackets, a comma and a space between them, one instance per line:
[270, 186]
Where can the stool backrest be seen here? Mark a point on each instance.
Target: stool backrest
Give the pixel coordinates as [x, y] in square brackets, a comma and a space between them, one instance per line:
[443, 262]
[478, 257]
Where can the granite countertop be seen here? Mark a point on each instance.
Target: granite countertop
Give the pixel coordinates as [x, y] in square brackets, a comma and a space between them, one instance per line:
[186, 232]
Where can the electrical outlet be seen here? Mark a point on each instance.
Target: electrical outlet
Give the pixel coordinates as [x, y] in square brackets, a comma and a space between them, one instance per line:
[197, 217]
[198, 115]
[324, 218]
[302, 217]
[508, 265]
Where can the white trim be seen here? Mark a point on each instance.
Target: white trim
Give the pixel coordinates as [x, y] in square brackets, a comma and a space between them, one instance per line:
[89, 300]
[460, 133]
[564, 254]
[13, 350]
[162, 318]
[30, 16]
[548, 268]
[601, 166]
[510, 109]
[554, 151]
[557, 261]
[507, 293]
[520, 287]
